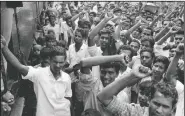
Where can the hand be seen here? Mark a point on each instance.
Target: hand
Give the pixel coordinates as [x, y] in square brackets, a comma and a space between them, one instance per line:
[5, 107]
[181, 65]
[141, 71]
[142, 21]
[3, 42]
[174, 29]
[180, 49]
[125, 59]
[9, 98]
[109, 16]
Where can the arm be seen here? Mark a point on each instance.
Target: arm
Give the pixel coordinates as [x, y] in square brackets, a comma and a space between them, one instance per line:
[12, 59]
[97, 60]
[76, 16]
[106, 95]
[96, 29]
[117, 32]
[155, 20]
[172, 67]
[161, 34]
[172, 31]
[164, 38]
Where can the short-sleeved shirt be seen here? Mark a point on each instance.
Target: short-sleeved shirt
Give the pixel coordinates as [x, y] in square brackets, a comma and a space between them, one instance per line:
[75, 57]
[50, 93]
[125, 109]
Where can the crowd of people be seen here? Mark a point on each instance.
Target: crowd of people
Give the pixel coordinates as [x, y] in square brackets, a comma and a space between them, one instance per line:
[103, 59]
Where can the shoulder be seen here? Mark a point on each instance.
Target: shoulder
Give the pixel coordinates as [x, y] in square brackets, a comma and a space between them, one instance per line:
[66, 76]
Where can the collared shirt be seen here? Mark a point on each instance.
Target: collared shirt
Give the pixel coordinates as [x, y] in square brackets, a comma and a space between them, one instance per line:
[56, 29]
[50, 92]
[75, 57]
[125, 109]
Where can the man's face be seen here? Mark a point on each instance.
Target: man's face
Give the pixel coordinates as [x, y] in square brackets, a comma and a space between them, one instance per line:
[134, 46]
[144, 97]
[37, 49]
[160, 105]
[145, 44]
[146, 32]
[104, 40]
[69, 22]
[179, 38]
[45, 62]
[91, 16]
[165, 23]
[172, 52]
[57, 63]
[78, 38]
[52, 20]
[158, 69]
[127, 52]
[51, 43]
[96, 20]
[108, 75]
[146, 59]
[178, 23]
[118, 13]
[136, 34]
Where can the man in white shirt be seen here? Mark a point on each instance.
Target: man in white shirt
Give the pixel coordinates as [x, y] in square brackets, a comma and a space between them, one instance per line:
[52, 26]
[78, 50]
[52, 86]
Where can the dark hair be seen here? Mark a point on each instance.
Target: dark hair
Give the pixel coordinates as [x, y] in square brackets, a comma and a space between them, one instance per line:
[90, 112]
[105, 31]
[148, 50]
[181, 32]
[137, 41]
[149, 28]
[83, 22]
[41, 41]
[146, 86]
[45, 52]
[126, 47]
[83, 32]
[67, 18]
[149, 39]
[180, 21]
[115, 65]
[57, 50]
[50, 37]
[94, 14]
[167, 90]
[162, 59]
[139, 30]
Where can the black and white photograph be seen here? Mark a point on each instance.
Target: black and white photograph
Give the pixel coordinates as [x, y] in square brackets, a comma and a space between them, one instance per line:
[92, 58]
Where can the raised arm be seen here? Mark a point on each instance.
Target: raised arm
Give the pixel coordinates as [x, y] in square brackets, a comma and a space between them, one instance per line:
[97, 60]
[161, 33]
[106, 95]
[171, 71]
[12, 59]
[96, 30]
[156, 19]
[172, 31]
[137, 25]
[77, 15]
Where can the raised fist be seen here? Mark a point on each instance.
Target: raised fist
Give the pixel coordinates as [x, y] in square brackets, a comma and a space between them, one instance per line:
[141, 71]
[180, 49]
